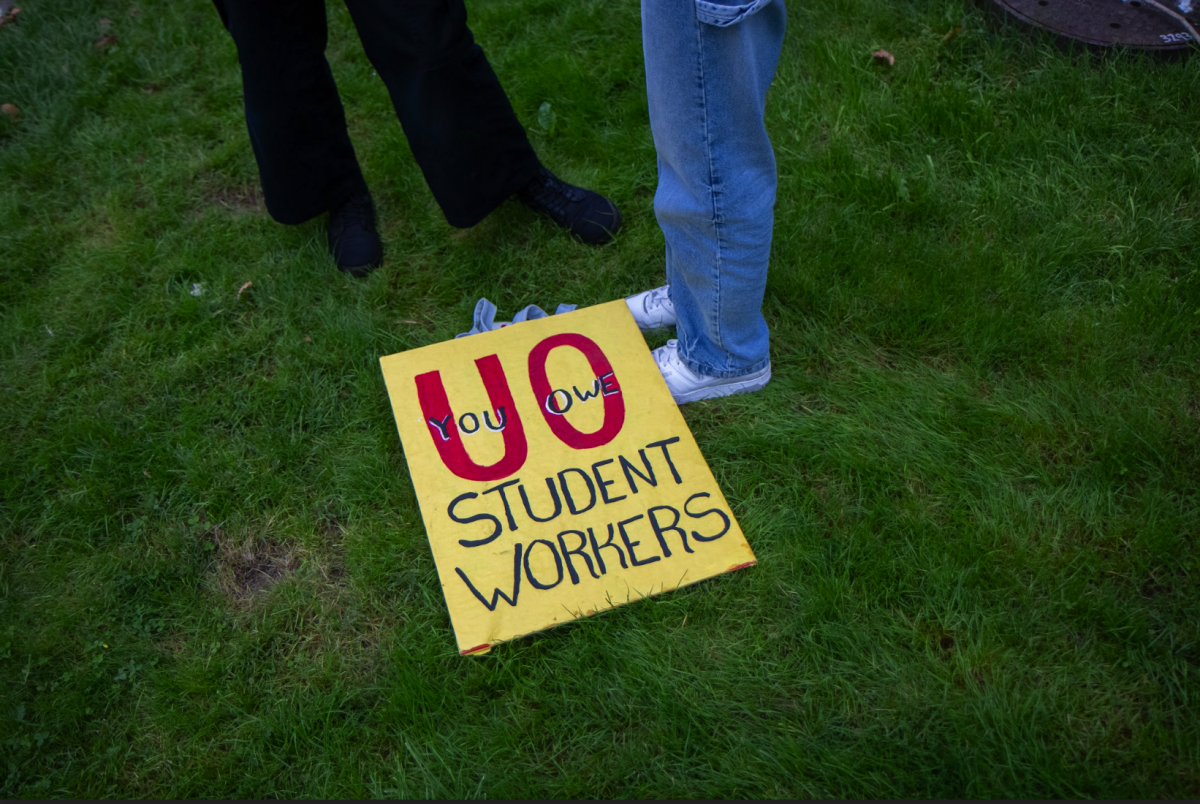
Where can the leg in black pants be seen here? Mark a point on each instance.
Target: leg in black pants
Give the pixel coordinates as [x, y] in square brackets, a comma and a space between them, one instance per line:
[459, 123]
[297, 127]
[468, 142]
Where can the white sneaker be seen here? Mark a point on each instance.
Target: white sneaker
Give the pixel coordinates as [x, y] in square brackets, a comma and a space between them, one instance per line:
[652, 309]
[688, 386]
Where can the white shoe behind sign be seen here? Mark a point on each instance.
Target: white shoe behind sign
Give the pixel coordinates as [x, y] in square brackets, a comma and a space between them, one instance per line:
[688, 386]
[652, 308]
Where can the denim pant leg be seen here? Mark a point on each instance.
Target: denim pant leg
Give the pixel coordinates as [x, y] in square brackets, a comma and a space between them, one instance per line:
[708, 67]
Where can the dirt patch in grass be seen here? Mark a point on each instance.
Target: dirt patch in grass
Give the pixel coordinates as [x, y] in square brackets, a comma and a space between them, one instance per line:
[247, 198]
[331, 527]
[248, 567]
[243, 199]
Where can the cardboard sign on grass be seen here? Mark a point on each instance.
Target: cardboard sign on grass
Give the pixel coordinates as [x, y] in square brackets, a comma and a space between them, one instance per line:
[555, 474]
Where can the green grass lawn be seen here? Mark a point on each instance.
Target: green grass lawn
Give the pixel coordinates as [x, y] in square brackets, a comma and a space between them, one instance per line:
[971, 485]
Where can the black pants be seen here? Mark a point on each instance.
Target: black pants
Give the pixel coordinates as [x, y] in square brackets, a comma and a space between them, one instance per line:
[460, 125]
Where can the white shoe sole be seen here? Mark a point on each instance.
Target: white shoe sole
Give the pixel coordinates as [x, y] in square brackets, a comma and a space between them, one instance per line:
[732, 385]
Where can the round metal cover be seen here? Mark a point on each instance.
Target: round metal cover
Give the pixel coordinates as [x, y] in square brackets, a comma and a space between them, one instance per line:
[1105, 23]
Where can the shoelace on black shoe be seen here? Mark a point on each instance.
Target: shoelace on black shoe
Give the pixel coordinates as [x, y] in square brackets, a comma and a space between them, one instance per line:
[355, 210]
[551, 194]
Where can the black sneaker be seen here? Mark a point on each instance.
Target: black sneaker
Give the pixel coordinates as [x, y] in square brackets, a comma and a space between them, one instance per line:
[353, 241]
[589, 216]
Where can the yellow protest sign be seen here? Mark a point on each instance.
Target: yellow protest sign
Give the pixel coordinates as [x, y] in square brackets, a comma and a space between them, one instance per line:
[555, 474]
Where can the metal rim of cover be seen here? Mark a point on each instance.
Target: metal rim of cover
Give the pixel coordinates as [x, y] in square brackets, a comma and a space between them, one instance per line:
[1156, 26]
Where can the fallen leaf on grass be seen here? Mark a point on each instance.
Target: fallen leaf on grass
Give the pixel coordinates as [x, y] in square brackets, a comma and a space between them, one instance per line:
[8, 15]
[883, 57]
[147, 474]
[953, 32]
[243, 287]
[10, 111]
[408, 321]
[106, 41]
[307, 339]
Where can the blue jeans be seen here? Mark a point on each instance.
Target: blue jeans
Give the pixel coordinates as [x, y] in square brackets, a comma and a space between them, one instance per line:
[709, 64]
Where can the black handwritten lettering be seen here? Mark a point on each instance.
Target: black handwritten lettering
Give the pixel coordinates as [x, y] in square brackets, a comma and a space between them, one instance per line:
[631, 470]
[553, 495]
[608, 384]
[558, 565]
[501, 418]
[702, 514]
[630, 545]
[497, 594]
[443, 426]
[596, 548]
[578, 551]
[470, 495]
[587, 394]
[663, 446]
[660, 529]
[562, 481]
[604, 484]
[552, 406]
[462, 424]
[512, 522]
